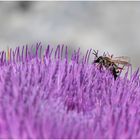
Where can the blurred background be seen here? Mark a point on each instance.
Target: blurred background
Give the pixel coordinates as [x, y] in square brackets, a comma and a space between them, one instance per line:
[106, 26]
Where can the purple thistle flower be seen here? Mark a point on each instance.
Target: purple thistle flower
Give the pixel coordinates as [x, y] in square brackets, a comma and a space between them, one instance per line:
[42, 96]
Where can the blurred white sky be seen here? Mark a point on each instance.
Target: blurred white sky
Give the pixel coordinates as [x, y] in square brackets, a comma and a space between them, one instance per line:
[106, 26]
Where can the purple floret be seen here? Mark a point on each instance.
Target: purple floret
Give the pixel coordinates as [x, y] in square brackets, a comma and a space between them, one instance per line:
[47, 95]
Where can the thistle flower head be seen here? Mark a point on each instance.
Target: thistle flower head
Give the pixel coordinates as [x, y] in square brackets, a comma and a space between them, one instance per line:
[46, 95]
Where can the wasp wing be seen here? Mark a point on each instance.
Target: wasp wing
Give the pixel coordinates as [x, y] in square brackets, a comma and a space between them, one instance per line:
[123, 60]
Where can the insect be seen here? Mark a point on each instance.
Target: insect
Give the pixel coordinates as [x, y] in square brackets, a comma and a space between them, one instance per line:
[112, 63]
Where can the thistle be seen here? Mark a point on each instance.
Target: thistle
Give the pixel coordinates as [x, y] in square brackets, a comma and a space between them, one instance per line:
[46, 95]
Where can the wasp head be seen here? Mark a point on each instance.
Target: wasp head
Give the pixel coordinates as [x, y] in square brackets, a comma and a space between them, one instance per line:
[99, 60]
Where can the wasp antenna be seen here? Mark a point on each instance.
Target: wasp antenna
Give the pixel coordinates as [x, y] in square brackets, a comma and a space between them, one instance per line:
[95, 53]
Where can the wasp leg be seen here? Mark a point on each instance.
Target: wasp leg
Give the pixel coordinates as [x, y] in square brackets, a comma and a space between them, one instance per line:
[115, 73]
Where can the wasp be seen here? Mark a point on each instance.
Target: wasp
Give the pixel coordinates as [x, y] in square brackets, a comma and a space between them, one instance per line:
[112, 63]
